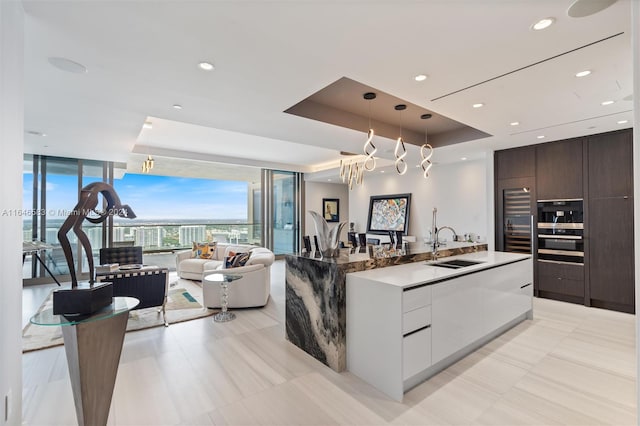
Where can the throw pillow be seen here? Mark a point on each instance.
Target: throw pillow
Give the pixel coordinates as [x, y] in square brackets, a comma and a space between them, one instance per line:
[203, 250]
[228, 261]
[235, 260]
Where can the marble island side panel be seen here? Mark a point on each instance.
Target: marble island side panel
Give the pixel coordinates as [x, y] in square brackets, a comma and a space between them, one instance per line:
[315, 309]
[315, 294]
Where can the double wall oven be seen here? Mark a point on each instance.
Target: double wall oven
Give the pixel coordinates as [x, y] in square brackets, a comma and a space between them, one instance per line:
[561, 231]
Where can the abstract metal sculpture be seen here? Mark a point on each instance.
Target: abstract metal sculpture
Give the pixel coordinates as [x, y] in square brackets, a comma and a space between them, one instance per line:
[87, 203]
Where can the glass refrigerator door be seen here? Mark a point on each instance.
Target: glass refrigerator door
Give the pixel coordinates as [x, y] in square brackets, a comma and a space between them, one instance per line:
[517, 220]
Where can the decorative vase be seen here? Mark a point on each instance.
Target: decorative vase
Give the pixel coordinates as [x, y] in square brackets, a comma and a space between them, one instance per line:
[328, 240]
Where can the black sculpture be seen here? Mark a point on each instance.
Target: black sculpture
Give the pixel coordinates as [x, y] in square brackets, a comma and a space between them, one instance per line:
[87, 203]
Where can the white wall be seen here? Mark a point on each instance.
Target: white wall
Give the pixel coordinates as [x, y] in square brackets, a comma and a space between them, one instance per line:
[459, 191]
[635, 37]
[314, 193]
[11, 151]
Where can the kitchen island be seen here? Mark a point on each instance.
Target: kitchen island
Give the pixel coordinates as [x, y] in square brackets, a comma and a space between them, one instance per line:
[316, 318]
[406, 323]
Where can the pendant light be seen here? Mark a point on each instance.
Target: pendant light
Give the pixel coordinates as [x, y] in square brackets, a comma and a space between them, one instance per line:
[369, 148]
[426, 151]
[400, 152]
[147, 164]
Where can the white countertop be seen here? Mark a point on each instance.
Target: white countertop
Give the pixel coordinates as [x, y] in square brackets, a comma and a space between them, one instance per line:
[417, 273]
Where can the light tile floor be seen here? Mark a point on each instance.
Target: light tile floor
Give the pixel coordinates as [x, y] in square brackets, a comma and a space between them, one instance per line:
[570, 365]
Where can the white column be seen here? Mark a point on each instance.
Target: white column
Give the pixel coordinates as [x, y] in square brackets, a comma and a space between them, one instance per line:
[11, 152]
[635, 46]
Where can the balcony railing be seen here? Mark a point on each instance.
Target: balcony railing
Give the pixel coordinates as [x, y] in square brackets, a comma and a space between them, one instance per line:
[154, 238]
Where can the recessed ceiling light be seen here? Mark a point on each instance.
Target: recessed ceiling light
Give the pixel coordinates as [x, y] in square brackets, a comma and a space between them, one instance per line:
[67, 65]
[147, 125]
[583, 73]
[328, 180]
[381, 171]
[420, 77]
[605, 103]
[540, 137]
[35, 133]
[623, 121]
[514, 123]
[542, 24]
[591, 127]
[207, 66]
[463, 158]
[478, 105]
[177, 106]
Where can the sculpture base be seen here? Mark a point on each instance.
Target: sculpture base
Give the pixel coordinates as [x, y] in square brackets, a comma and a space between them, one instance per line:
[82, 300]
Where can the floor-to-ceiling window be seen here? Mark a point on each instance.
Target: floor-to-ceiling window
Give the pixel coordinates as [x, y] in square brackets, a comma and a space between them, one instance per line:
[282, 207]
[172, 211]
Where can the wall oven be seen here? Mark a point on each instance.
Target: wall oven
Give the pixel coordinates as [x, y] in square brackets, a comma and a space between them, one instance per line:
[561, 231]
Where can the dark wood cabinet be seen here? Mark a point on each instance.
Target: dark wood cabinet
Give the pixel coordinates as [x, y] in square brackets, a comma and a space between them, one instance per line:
[561, 281]
[610, 221]
[611, 259]
[559, 170]
[515, 163]
[598, 169]
[610, 169]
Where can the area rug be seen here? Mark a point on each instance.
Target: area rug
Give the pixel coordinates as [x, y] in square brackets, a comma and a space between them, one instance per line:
[183, 304]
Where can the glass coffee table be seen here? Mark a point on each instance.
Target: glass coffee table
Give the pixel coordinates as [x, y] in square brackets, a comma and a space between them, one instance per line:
[224, 280]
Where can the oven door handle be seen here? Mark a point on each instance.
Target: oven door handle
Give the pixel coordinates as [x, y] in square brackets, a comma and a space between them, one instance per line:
[560, 237]
[561, 262]
[562, 252]
[551, 225]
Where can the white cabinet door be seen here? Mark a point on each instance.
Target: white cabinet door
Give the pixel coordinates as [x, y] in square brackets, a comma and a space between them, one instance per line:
[502, 293]
[456, 315]
[416, 353]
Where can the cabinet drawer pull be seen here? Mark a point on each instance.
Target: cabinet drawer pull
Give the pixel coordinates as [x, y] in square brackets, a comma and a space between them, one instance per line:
[415, 331]
[526, 285]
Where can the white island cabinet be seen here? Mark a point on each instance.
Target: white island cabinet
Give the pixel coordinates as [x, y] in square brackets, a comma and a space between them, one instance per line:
[405, 323]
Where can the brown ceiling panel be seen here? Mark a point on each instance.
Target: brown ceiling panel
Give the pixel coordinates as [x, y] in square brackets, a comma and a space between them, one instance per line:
[342, 104]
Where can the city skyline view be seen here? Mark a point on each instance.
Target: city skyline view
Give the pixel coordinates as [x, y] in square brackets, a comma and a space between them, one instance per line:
[153, 198]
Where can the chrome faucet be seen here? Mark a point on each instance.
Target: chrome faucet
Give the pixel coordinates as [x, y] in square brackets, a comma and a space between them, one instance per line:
[434, 252]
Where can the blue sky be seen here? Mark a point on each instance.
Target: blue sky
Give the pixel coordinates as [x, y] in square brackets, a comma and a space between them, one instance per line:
[156, 197]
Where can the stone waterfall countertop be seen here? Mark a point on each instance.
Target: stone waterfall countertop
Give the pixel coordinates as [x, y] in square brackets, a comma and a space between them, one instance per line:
[373, 257]
[418, 273]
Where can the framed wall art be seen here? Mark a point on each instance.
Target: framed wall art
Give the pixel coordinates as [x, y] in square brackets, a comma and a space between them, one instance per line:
[331, 209]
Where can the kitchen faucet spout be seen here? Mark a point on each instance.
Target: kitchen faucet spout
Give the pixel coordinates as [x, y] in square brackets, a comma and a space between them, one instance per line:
[434, 252]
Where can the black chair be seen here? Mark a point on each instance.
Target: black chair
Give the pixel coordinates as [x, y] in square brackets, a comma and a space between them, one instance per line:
[121, 255]
[149, 284]
[392, 238]
[307, 243]
[352, 238]
[362, 238]
[373, 241]
[315, 241]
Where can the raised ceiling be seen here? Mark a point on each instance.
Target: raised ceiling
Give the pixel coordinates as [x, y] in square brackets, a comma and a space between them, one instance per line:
[142, 58]
[342, 103]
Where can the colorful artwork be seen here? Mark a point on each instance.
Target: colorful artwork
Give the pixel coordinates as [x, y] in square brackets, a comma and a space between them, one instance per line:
[388, 213]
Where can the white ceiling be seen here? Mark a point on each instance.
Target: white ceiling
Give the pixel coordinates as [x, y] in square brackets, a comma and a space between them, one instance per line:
[142, 58]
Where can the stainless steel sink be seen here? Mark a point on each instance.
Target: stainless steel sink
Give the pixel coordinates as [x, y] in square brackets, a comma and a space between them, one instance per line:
[455, 263]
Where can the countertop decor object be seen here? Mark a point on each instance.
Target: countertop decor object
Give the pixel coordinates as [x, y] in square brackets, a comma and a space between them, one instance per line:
[328, 239]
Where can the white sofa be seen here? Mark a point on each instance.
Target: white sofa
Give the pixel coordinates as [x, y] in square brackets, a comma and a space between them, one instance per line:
[251, 290]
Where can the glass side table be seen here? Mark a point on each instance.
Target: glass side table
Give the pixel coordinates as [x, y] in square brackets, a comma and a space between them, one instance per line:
[93, 344]
[224, 280]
